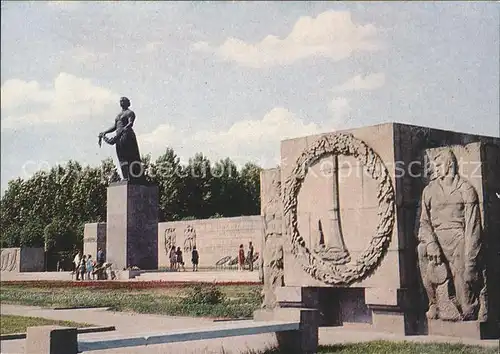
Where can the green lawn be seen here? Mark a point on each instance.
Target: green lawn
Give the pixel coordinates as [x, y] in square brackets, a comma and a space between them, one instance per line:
[18, 324]
[386, 347]
[206, 301]
[231, 302]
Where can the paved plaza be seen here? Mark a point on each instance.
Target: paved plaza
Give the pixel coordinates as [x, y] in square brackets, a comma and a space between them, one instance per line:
[133, 324]
[209, 276]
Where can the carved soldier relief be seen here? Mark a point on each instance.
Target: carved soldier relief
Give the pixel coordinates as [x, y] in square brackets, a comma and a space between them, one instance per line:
[450, 243]
[189, 238]
[170, 239]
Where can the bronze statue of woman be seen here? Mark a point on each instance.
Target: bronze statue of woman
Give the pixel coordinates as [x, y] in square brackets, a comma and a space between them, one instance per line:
[126, 143]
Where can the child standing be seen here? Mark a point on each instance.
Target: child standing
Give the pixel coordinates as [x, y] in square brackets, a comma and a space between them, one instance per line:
[90, 267]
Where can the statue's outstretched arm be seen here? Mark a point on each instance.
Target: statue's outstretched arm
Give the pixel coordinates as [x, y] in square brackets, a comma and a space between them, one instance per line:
[110, 130]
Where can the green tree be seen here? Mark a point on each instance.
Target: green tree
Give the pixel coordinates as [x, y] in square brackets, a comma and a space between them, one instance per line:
[52, 207]
[225, 189]
[250, 182]
[166, 173]
[196, 191]
[10, 208]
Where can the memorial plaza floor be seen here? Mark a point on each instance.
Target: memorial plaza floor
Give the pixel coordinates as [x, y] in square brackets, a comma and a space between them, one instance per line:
[129, 324]
[181, 276]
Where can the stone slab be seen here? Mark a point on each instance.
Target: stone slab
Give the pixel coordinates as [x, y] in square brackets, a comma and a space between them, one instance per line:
[83, 330]
[94, 237]
[357, 205]
[303, 341]
[51, 340]
[214, 238]
[132, 226]
[463, 329]
[389, 321]
[22, 259]
[393, 287]
[184, 335]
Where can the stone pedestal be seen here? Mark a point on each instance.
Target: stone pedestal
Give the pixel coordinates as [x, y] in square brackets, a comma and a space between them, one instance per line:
[51, 340]
[358, 219]
[463, 329]
[303, 341]
[94, 237]
[132, 226]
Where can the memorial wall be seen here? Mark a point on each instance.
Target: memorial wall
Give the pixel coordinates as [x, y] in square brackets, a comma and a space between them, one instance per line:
[215, 239]
[22, 259]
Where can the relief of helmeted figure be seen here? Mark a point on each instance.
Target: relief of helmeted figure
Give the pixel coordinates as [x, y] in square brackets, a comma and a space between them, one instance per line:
[450, 243]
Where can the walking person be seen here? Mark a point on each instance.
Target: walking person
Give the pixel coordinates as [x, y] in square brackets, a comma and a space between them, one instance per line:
[76, 264]
[250, 256]
[83, 267]
[241, 258]
[195, 257]
[180, 261]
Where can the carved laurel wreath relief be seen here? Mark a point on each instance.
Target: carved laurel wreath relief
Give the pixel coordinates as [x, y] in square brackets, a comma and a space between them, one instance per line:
[314, 263]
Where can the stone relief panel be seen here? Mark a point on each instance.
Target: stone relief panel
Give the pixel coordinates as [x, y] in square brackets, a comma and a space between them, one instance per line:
[216, 240]
[189, 239]
[170, 239]
[272, 245]
[328, 260]
[9, 260]
[450, 242]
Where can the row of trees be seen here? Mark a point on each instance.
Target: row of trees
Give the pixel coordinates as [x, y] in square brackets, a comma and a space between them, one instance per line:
[51, 208]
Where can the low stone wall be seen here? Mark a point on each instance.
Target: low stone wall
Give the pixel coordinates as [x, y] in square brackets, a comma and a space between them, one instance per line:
[215, 239]
[24, 259]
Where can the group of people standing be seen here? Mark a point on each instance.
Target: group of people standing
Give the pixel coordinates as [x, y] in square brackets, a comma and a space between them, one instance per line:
[85, 267]
[177, 260]
[248, 259]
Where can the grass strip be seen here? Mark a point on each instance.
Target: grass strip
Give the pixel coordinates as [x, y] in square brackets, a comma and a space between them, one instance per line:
[18, 324]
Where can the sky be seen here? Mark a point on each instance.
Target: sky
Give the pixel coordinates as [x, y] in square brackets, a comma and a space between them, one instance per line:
[233, 79]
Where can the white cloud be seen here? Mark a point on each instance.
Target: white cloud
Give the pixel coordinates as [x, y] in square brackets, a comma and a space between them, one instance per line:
[70, 99]
[332, 34]
[339, 106]
[257, 140]
[66, 3]
[17, 92]
[358, 82]
[85, 56]
[150, 47]
[160, 137]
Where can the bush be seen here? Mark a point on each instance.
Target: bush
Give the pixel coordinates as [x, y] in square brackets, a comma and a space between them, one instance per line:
[204, 295]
